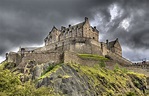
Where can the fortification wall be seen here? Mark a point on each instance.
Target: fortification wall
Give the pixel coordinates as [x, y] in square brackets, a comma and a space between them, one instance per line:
[118, 49]
[53, 57]
[78, 45]
[119, 59]
[96, 47]
[14, 57]
[71, 57]
[104, 48]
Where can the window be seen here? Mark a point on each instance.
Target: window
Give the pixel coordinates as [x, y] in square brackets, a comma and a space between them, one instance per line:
[50, 37]
[55, 46]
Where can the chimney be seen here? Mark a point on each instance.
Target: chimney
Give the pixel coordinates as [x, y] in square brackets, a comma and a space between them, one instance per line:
[107, 41]
[69, 25]
[62, 28]
[86, 19]
[6, 56]
[94, 27]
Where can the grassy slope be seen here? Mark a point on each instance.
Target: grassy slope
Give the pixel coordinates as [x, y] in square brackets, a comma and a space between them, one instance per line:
[115, 82]
[118, 82]
[106, 82]
[12, 86]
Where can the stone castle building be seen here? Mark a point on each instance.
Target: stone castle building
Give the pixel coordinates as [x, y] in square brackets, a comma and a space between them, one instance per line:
[63, 45]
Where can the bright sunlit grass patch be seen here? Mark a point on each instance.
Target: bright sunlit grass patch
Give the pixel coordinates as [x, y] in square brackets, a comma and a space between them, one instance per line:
[92, 56]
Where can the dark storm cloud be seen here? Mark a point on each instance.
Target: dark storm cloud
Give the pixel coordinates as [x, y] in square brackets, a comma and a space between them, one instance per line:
[135, 18]
[27, 22]
[130, 24]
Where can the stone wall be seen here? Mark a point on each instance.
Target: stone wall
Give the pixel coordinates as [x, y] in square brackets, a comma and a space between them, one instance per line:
[80, 30]
[89, 32]
[14, 57]
[104, 48]
[39, 58]
[118, 49]
[119, 59]
[78, 45]
[71, 57]
[53, 36]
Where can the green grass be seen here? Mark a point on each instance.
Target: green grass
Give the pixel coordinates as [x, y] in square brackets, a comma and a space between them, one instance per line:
[50, 70]
[136, 74]
[3, 64]
[66, 76]
[92, 56]
[108, 75]
[110, 80]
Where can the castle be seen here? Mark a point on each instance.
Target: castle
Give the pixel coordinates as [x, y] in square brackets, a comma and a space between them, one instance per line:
[63, 45]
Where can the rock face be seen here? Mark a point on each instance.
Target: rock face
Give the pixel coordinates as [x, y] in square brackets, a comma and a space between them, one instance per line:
[78, 80]
[82, 80]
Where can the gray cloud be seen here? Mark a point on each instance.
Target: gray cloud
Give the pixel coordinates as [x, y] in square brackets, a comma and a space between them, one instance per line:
[27, 22]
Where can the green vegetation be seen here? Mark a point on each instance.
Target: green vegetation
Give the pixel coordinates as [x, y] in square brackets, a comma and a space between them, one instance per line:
[111, 82]
[3, 64]
[117, 82]
[102, 64]
[94, 57]
[10, 85]
[116, 68]
[48, 69]
[51, 69]
[66, 76]
[131, 94]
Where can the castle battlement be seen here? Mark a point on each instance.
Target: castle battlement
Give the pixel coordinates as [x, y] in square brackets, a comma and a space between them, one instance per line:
[81, 38]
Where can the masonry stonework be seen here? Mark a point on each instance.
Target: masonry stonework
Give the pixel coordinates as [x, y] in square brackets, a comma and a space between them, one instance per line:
[61, 44]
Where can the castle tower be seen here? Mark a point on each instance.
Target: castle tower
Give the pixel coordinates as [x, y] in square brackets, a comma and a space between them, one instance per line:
[89, 31]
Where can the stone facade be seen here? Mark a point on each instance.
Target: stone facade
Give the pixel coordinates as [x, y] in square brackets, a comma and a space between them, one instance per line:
[81, 38]
[80, 30]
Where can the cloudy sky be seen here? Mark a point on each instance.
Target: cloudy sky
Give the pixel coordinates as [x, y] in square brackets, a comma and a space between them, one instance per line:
[27, 22]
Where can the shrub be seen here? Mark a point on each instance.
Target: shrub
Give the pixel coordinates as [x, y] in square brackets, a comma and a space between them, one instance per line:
[130, 94]
[10, 85]
[116, 68]
[102, 64]
[124, 70]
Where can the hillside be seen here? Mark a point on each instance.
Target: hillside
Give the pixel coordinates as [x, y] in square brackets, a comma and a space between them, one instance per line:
[61, 79]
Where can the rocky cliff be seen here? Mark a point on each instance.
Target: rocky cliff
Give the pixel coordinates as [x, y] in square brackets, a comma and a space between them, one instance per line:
[78, 80]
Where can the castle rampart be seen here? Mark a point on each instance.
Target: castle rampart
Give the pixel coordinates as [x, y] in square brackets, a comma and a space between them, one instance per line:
[71, 57]
[60, 44]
